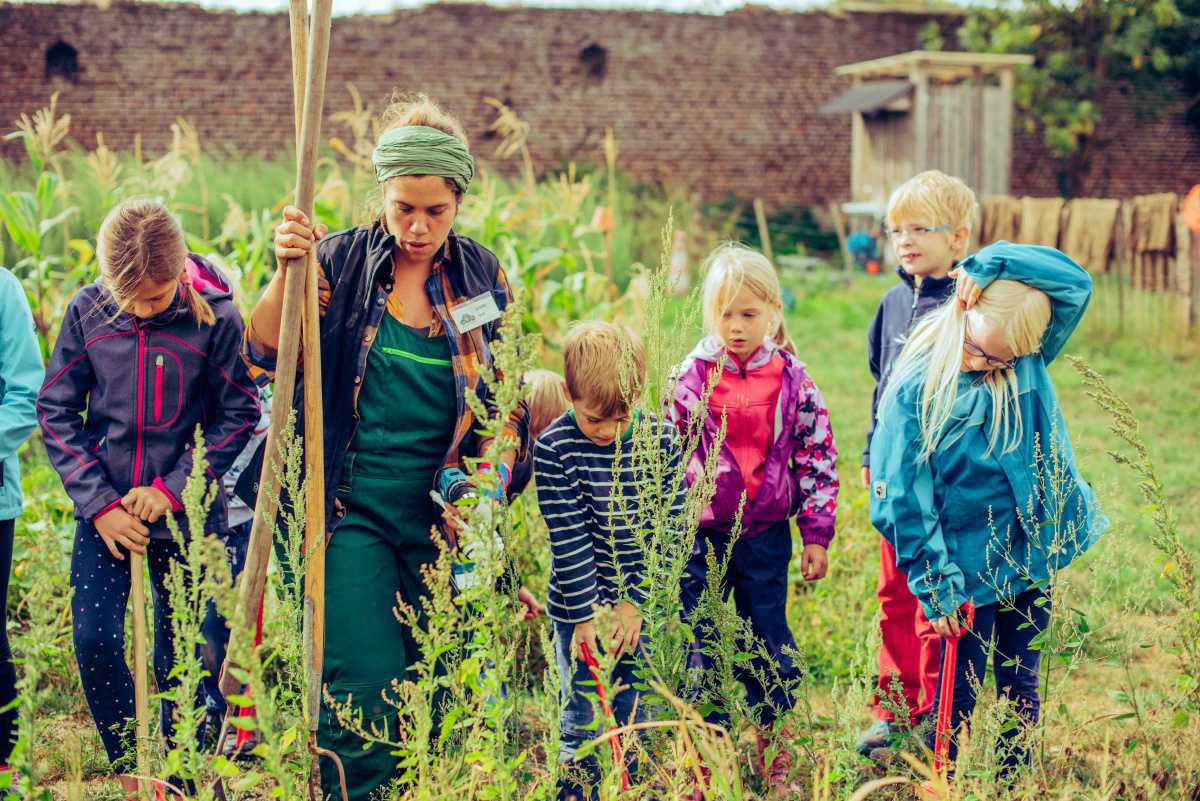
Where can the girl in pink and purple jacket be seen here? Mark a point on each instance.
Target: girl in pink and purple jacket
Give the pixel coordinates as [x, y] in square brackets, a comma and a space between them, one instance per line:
[778, 453]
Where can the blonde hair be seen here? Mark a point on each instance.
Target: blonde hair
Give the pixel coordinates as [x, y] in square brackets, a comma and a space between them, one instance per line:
[604, 364]
[728, 269]
[141, 239]
[934, 198]
[547, 399]
[933, 355]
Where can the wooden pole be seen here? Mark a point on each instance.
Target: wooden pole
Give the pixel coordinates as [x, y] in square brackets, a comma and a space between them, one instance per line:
[259, 551]
[764, 235]
[314, 436]
[840, 226]
[141, 681]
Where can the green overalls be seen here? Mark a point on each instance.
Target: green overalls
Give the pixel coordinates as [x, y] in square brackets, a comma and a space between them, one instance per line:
[406, 422]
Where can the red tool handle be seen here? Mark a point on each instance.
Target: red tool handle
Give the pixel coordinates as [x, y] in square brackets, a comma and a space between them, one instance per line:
[941, 741]
[615, 741]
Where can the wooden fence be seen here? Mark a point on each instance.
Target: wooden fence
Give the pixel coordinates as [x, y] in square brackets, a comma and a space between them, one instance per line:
[1134, 247]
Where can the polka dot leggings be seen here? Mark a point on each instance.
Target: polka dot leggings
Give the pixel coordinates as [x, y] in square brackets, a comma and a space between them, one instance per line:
[102, 586]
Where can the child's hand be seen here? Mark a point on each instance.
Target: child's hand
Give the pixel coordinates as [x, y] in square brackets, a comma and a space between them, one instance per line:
[532, 608]
[966, 289]
[148, 503]
[814, 562]
[119, 528]
[627, 628]
[585, 634]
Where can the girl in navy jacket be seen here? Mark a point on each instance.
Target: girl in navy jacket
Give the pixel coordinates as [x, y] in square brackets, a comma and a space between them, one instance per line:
[150, 351]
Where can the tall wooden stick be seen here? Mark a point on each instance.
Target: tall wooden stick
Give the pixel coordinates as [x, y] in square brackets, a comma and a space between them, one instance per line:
[259, 551]
[141, 682]
[314, 435]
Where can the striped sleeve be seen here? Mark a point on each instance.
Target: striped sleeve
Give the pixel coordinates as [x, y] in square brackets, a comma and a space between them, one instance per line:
[572, 557]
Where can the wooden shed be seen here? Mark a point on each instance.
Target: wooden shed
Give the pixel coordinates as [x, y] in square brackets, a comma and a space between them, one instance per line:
[929, 110]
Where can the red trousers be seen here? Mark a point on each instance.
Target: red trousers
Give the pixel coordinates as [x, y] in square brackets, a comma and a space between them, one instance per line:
[910, 654]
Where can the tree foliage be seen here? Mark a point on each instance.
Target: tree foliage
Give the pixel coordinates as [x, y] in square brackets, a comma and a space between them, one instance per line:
[1083, 49]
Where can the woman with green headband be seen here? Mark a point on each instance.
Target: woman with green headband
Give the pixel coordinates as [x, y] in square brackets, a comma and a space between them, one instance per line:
[409, 312]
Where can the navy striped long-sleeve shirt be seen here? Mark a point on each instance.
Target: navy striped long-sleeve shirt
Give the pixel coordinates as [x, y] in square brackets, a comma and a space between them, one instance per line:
[596, 554]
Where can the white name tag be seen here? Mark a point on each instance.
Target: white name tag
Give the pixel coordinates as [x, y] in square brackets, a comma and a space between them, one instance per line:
[475, 312]
[880, 490]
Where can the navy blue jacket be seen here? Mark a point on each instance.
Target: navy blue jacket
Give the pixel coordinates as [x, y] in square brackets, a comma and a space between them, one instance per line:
[900, 308]
[357, 265]
[145, 385]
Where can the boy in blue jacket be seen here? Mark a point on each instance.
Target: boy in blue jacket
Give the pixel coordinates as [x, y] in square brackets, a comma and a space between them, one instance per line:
[929, 222]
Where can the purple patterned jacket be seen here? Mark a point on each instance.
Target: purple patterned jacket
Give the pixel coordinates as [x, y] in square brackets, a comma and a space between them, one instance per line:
[801, 469]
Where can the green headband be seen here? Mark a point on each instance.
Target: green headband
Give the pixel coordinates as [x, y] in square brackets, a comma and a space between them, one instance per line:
[420, 150]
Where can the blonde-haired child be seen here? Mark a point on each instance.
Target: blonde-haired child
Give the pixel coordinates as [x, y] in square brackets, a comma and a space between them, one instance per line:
[547, 399]
[990, 504]
[929, 219]
[592, 495]
[150, 351]
[778, 453]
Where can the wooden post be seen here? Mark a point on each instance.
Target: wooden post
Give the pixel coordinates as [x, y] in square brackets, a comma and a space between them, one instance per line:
[840, 227]
[920, 80]
[295, 278]
[141, 681]
[314, 455]
[764, 236]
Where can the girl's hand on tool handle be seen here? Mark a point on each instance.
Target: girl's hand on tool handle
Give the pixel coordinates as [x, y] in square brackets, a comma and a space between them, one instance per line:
[147, 503]
[627, 628]
[948, 626]
[585, 634]
[533, 609]
[814, 562]
[119, 528]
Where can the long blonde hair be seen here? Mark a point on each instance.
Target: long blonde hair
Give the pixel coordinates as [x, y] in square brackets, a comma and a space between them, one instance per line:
[138, 239]
[933, 355]
[727, 270]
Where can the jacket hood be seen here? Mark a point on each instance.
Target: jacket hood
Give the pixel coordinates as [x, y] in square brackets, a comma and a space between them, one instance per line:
[710, 349]
[208, 280]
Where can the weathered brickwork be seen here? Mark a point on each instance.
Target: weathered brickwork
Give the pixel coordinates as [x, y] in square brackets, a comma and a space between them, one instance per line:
[721, 104]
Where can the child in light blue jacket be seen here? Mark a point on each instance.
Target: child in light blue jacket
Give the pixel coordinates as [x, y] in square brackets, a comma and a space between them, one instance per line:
[974, 481]
[21, 374]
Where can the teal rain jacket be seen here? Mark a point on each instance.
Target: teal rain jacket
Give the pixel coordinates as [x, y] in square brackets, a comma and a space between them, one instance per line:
[967, 525]
[20, 376]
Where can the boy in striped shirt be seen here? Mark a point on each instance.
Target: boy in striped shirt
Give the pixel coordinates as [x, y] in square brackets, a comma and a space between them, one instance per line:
[592, 489]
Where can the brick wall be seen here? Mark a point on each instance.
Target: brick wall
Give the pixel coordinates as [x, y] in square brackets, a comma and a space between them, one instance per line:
[723, 104]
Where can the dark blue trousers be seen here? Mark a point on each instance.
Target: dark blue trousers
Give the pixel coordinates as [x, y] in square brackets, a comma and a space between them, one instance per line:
[1003, 625]
[101, 594]
[758, 579]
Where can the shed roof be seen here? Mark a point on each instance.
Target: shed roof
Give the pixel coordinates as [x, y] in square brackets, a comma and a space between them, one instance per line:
[867, 97]
[942, 65]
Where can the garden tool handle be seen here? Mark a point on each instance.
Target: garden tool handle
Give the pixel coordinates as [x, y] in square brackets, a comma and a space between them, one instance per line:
[941, 740]
[593, 667]
[141, 681]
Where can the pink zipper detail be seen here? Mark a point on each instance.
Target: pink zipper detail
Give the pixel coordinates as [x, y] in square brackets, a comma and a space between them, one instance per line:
[141, 405]
[158, 384]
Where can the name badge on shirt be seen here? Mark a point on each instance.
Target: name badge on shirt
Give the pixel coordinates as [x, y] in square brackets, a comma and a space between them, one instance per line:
[475, 312]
